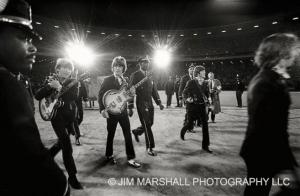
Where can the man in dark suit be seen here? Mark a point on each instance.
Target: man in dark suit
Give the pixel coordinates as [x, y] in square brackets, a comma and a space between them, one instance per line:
[239, 89]
[82, 96]
[196, 95]
[26, 167]
[116, 81]
[64, 119]
[183, 81]
[266, 149]
[145, 109]
[169, 88]
[176, 89]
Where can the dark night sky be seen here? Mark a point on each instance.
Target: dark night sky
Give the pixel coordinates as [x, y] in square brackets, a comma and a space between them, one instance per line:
[162, 14]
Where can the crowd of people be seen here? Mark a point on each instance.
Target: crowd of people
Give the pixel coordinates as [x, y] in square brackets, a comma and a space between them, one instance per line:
[28, 165]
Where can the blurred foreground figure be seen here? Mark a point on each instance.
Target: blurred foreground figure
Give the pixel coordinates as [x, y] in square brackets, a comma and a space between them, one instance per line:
[266, 149]
[26, 167]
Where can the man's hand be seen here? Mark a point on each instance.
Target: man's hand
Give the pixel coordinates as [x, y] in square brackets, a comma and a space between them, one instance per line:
[55, 84]
[189, 100]
[105, 114]
[209, 100]
[130, 112]
[161, 106]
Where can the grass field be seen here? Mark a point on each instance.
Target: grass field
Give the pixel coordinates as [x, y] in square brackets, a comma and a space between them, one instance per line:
[176, 160]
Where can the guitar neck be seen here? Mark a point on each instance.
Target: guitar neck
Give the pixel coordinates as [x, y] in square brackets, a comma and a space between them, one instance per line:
[68, 87]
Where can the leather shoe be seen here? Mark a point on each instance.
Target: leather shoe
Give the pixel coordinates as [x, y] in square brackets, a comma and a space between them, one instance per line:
[133, 163]
[151, 152]
[207, 149]
[74, 183]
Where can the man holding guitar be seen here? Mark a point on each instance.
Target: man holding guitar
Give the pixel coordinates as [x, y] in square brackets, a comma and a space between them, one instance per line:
[145, 109]
[115, 82]
[63, 121]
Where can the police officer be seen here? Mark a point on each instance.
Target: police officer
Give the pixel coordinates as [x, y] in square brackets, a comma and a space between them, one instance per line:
[145, 109]
[26, 167]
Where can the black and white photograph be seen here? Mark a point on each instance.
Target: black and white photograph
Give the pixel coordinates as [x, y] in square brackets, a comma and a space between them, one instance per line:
[150, 98]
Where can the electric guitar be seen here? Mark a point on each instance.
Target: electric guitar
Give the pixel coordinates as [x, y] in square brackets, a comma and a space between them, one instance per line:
[115, 101]
[48, 106]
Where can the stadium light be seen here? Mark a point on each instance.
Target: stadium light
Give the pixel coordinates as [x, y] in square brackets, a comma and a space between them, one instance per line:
[162, 57]
[79, 53]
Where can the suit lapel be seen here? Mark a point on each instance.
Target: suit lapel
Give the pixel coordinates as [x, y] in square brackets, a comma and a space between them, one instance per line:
[115, 82]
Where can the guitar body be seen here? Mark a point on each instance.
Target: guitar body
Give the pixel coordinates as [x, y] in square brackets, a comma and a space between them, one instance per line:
[115, 100]
[48, 107]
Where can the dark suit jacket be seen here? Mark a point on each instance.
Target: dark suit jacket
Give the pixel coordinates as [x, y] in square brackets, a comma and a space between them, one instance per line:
[183, 81]
[110, 82]
[176, 86]
[25, 165]
[145, 92]
[239, 85]
[169, 87]
[199, 93]
[266, 138]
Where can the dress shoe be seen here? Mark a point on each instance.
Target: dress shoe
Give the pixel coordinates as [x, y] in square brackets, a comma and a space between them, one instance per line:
[77, 142]
[136, 136]
[111, 160]
[182, 133]
[133, 163]
[151, 152]
[74, 183]
[207, 149]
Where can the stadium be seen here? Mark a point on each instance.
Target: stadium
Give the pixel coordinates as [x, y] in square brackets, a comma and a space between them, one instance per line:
[221, 36]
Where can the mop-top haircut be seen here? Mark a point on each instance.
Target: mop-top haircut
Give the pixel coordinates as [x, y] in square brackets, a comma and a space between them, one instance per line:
[119, 61]
[274, 48]
[64, 62]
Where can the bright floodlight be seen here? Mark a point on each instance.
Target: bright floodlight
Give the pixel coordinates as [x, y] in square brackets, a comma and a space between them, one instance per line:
[162, 57]
[79, 53]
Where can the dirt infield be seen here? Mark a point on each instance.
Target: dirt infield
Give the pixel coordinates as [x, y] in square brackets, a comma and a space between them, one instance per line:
[179, 166]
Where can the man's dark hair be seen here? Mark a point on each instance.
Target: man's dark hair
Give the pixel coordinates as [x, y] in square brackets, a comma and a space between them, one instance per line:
[274, 48]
